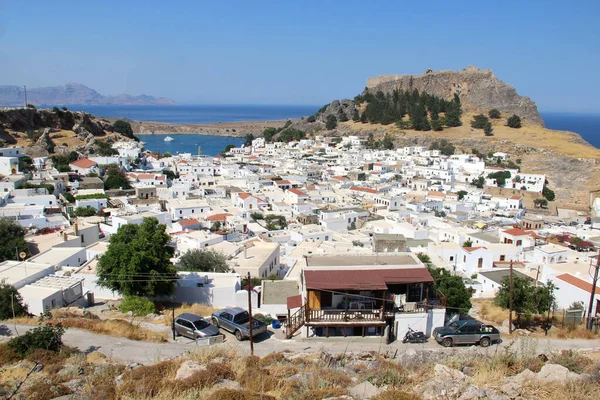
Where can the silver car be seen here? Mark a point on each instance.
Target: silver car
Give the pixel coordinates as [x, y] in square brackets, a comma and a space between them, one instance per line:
[194, 326]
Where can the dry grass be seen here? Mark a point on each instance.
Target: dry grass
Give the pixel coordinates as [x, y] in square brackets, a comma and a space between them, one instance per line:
[569, 333]
[198, 309]
[395, 394]
[92, 323]
[46, 389]
[232, 394]
[488, 311]
[102, 385]
[574, 390]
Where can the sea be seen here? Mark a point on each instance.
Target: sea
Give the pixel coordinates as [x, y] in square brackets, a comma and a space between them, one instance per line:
[197, 114]
[587, 125]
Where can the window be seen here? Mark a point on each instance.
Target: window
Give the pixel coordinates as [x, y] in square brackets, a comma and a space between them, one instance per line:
[502, 257]
[451, 258]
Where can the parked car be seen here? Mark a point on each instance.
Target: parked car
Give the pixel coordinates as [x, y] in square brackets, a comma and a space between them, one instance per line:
[194, 326]
[466, 332]
[237, 321]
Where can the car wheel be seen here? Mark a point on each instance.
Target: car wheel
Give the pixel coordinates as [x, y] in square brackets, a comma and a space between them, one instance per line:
[215, 322]
[447, 342]
[485, 342]
[238, 336]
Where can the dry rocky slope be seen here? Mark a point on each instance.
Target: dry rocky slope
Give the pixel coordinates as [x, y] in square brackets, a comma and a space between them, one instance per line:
[479, 90]
[54, 132]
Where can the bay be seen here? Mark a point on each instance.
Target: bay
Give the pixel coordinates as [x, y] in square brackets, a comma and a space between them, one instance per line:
[189, 143]
[586, 125]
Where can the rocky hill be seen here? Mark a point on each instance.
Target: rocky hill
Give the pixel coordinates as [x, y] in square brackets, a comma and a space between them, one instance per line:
[44, 132]
[72, 93]
[479, 90]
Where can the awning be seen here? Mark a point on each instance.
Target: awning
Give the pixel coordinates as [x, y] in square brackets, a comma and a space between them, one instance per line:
[294, 302]
[364, 279]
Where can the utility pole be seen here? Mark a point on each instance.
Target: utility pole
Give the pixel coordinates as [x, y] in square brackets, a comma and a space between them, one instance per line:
[592, 295]
[25, 89]
[510, 300]
[249, 288]
[173, 317]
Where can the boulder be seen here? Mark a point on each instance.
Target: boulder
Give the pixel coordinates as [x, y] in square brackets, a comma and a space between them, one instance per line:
[446, 373]
[526, 376]
[512, 389]
[132, 366]
[364, 390]
[551, 373]
[189, 368]
[474, 393]
[227, 384]
[70, 371]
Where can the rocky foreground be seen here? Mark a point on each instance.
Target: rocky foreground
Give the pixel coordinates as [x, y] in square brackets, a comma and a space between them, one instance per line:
[220, 373]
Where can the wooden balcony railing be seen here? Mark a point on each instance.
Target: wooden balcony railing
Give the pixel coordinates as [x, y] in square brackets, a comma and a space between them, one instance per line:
[333, 315]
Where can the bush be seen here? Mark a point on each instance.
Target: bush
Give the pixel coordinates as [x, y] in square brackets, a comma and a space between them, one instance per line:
[479, 121]
[9, 299]
[45, 337]
[331, 122]
[256, 216]
[123, 127]
[514, 121]
[84, 212]
[494, 113]
[267, 319]
[140, 306]
[311, 119]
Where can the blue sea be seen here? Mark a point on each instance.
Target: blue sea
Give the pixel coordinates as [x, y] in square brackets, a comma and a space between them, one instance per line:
[211, 145]
[586, 125]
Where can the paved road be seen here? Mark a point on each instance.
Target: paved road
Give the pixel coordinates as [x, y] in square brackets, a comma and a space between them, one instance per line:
[126, 350]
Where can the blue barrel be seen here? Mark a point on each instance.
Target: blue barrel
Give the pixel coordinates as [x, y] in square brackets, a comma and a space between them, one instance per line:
[276, 324]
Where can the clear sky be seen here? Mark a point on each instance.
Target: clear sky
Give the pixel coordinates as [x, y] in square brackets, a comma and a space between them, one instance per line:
[299, 52]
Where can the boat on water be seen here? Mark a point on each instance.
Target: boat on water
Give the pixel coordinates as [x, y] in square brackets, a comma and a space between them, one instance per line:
[168, 139]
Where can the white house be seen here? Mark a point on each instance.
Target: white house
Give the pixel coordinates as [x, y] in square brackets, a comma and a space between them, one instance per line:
[84, 166]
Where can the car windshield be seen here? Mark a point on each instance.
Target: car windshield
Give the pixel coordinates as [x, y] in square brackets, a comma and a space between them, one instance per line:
[201, 324]
[241, 318]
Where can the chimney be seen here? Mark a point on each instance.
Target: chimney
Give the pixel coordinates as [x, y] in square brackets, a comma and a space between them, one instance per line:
[76, 227]
[65, 236]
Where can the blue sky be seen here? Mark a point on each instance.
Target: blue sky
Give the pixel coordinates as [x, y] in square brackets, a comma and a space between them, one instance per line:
[299, 52]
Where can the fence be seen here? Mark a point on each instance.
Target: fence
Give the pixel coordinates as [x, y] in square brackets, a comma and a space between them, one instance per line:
[574, 318]
[210, 340]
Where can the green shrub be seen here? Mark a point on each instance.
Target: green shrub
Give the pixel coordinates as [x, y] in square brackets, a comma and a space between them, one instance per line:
[267, 319]
[45, 337]
[494, 113]
[514, 122]
[311, 119]
[140, 306]
[84, 212]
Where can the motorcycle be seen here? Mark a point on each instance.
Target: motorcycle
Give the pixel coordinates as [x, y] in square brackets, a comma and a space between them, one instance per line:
[413, 336]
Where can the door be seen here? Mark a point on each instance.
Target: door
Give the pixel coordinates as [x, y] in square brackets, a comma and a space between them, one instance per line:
[314, 299]
[226, 321]
[467, 334]
[185, 328]
[480, 263]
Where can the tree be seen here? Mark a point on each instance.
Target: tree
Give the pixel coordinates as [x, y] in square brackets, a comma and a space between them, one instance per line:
[370, 140]
[453, 112]
[461, 194]
[363, 118]
[488, 130]
[342, 116]
[215, 227]
[44, 337]
[9, 298]
[355, 115]
[331, 122]
[84, 212]
[137, 262]
[170, 174]
[249, 138]
[204, 260]
[13, 240]
[268, 133]
[115, 179]
[227, 148]
[478, 182]
[514, 121]
[458, 296]
[468, 243]
[548, 194]
[166, 154]
[500, 177]
[527, 298]
[388, 142]
[540, 203]
[311, 119]
[479, 121]
[494, 113]
[123, 127]
[256, 216]
[105, 148]
[436, 125]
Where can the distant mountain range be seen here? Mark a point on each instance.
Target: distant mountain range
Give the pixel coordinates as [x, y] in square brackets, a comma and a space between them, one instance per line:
[71, 93]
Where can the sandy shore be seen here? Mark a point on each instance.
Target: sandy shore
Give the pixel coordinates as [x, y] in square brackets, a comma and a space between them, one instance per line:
[234, 129]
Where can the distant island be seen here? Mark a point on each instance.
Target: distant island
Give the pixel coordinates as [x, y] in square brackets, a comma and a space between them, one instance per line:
[71, 93]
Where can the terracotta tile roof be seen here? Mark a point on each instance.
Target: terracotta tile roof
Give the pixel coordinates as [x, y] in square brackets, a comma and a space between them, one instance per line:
[472, 249]
[372, 279]
[366, 190]
[515, 197]
[297, 192]
[578, 282]
[188, 222]
[311, 188]
[218, 217]
[283, 182]
[517, 232]
[340, 178]
[435, 193]
[84, 163]
[244, 196]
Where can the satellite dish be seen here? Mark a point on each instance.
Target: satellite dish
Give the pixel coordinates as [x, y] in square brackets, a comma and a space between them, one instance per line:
[22, 255]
